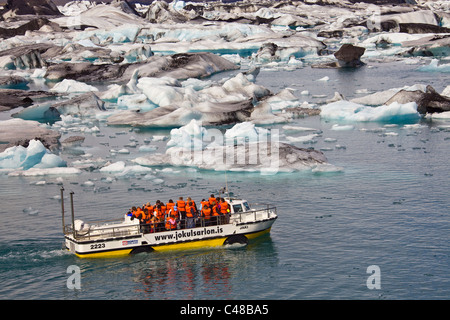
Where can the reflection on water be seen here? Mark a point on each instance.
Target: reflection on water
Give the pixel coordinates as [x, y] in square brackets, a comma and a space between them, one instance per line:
[210, 273]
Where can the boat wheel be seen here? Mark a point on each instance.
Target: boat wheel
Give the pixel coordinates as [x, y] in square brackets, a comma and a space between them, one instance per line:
[238, 238]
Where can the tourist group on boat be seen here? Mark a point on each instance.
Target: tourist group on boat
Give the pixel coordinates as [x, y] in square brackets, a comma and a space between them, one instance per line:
[181, 214]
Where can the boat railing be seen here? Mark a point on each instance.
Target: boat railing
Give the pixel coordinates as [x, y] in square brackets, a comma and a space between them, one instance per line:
[104, 228]
[117, 228]
[259, 212]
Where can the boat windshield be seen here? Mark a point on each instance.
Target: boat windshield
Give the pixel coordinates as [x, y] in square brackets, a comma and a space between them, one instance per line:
[237, 208]
[246, 206]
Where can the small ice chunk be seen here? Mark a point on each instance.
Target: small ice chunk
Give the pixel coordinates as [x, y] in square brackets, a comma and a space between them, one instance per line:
[123, 151]
[30, 211]
[295, 128]
[114, 167]
[88, 184]
[147, 148]
[350, 111]
[158, 181]
[308, 137]
[70, 86]
[326, 78]
[338, 127]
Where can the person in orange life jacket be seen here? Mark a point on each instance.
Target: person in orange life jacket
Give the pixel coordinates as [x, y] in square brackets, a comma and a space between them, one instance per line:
[169, 206]
[160, 212]
[181, 204]
[224, 210]
[206, 213]
[173, 212]
[163, 208]
[153, 224]
[212, 199]
[191, 213]
[149, 207]
[191, 207]
[146, 216]
[203, 203]
[159, 218]
[137, 212]
[171, 222]
[215, 209]
[224, 206]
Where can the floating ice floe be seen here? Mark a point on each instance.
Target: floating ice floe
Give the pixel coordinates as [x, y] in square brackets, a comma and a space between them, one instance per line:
[121, 170]
[443, 116]
[350, 111]
[260, 151]
[243, 132]
[379, 98]
[34, 156]
[337, 127]
[33, 172]
[309, 137]
[235, 100]
[434, 66]
[297, 128]
[283, 100]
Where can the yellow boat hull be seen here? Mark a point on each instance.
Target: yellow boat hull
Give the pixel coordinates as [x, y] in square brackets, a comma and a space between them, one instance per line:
[195, 244]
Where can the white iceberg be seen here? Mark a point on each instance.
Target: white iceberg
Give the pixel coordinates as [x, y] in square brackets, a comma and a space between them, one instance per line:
[33, 156]
[379, 98]
[443, 116]
[257, 150]
[434, 66]
[350, 111]
[72, 86]
[231, 102]
[243, 132]
[189, 136]
[120, 169]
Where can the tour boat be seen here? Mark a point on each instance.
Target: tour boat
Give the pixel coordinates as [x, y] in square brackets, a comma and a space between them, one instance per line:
[128, 235]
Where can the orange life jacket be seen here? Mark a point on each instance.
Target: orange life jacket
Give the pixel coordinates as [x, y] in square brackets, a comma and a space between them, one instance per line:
[171, 224]
[163, 209]
[190, 209]
[158, 213]
[169, 206]
[153, 223]
[181, 204]
[224, 207]
[146, 216]
[174, 212]
[216, 211]
[212, 200]
[149, 208]
[138, 213]
[206, 212]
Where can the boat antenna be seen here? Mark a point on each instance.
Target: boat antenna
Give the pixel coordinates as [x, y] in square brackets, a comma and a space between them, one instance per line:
[73, 215]
[62, 209]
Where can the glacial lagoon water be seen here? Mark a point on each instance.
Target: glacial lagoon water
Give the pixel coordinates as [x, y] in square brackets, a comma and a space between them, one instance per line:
[388, 208]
